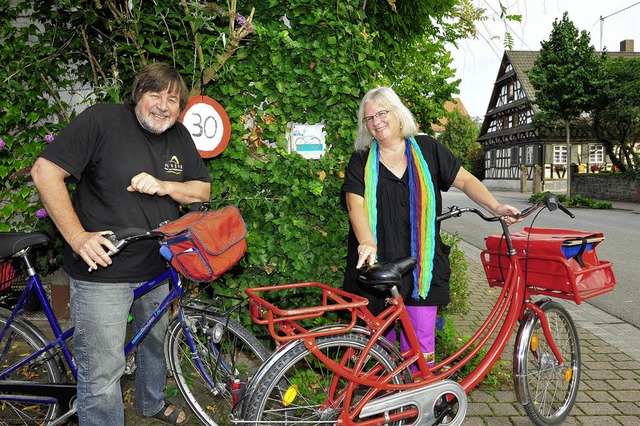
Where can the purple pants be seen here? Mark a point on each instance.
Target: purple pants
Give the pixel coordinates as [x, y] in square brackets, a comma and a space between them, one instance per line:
[423, 319]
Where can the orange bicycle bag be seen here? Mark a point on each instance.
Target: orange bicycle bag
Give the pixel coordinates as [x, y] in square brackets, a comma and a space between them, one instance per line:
[205, 244]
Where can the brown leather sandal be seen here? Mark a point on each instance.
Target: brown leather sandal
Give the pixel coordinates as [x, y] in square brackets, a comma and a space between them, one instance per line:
[172, 417]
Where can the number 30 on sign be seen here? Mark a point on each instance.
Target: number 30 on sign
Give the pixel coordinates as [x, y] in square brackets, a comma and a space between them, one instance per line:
[208, 124]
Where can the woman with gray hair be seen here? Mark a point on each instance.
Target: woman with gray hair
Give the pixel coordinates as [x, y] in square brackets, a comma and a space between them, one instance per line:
[392, 192]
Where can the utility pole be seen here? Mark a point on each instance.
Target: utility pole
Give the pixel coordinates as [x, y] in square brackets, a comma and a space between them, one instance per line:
[608, 16]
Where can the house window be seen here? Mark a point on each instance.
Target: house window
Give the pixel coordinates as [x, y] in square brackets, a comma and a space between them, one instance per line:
[528, 155]
[492, 158]
[596, 154]
[510, 91]
[560, 154]
[502, 97]
[515, 156]
[518, 90]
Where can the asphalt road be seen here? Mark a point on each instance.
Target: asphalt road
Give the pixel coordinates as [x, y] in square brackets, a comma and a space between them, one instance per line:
[621, 246]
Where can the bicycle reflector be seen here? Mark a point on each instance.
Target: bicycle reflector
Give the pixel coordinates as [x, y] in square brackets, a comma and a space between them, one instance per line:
[290, 395]
[568, 374]
[534, 342]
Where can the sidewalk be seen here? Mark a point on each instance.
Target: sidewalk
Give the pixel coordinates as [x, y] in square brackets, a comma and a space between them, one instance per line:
[524, 197]
[609, 391]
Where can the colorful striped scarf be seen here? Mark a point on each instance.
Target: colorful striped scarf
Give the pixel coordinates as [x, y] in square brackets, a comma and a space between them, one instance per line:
[422, 212]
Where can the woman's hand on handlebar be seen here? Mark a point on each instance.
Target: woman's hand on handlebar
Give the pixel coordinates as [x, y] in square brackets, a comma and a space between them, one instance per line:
[90, 246]
[510, 214]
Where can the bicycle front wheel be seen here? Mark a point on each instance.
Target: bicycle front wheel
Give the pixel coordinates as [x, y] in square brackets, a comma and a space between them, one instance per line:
[18, 342]
[299, 389]
[227, 352]
[547, 390]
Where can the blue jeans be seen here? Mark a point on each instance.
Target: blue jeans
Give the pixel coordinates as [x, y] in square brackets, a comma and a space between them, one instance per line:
[100, 312]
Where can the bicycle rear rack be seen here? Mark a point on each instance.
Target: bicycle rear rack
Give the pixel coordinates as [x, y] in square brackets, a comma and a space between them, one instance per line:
[289, 324]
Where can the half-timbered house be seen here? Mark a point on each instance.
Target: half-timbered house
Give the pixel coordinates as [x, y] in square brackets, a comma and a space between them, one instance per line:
[513, 145]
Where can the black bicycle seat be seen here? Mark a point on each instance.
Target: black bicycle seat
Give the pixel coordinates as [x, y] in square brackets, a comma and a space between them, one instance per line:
[384, 276]
[12, 242]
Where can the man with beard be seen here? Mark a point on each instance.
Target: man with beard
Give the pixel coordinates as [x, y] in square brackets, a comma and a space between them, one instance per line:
[132, 165]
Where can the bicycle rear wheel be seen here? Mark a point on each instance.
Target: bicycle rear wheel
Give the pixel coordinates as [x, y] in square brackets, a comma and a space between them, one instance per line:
[228, 352]
[547, 390]
[20, 341]
[299, 389]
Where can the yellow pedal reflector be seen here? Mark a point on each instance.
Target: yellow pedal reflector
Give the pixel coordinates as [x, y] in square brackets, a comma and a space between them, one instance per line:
[534, 342]
[568, 374]
[290, 395]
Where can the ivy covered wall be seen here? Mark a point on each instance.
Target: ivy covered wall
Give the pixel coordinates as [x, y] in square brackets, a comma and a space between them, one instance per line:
[269, 63]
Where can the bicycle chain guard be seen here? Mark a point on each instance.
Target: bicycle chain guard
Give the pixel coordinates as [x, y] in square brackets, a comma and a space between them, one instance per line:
[425, 399]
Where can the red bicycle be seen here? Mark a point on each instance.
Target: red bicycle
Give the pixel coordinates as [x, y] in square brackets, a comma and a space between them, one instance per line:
[349, 374]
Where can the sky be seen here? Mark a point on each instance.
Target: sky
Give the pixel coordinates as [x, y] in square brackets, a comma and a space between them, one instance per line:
[477, 61]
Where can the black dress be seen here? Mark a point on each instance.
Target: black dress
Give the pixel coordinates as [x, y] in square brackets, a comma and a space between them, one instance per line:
[394, 233]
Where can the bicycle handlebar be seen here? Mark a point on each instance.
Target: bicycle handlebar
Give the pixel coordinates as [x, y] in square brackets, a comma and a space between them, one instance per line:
[549, 201]
[123, 237]
[129, 235]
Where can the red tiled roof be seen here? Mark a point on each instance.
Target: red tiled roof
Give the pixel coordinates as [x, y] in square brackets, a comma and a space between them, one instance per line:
[449, 106]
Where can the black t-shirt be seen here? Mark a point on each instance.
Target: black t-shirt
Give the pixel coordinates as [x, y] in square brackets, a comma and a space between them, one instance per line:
[394, 232]
[102, 149]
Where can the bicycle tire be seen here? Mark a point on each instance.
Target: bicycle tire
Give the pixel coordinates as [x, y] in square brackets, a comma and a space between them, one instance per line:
[547, 391]
[275, 400]
[240, 354]
[22, 339]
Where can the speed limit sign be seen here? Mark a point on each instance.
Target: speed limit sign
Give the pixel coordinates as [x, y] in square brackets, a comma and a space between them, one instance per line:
[208, 124]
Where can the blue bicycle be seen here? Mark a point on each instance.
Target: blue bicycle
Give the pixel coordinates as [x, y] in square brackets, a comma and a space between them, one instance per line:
[209, 354]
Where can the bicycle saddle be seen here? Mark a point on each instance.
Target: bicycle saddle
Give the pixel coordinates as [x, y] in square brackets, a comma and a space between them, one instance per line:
[384, 276]
[12, 242]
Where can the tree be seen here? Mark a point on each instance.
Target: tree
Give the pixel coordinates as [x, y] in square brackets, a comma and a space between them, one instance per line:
[616, 113]
[565, 78]
[460, 136]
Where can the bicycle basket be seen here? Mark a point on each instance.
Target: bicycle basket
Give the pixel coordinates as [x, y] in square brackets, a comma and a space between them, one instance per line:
[7, 274]
[204, 244]
[555, 262]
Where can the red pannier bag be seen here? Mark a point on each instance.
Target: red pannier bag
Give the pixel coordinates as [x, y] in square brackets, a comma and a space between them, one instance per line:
[556, 262]
[204, 244]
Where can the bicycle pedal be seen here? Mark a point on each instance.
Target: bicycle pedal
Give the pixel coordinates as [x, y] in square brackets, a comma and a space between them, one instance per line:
[130, 365]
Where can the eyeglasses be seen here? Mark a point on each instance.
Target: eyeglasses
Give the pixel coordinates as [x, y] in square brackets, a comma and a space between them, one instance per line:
[379, 114]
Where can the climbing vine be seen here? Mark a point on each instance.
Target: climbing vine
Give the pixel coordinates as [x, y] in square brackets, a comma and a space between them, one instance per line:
[268, 63]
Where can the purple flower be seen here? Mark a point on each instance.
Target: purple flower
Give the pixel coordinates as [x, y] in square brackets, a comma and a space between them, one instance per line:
[241, 19]
[48, 138]
[250, 27]
[41, 213]
[2, 144]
